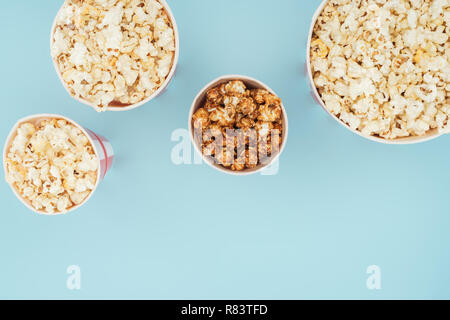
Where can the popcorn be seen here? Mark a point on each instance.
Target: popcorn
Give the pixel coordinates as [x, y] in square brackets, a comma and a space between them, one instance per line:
[319, 49]
[52, 165]
[239, 128]
[112, 52]
[383, 66]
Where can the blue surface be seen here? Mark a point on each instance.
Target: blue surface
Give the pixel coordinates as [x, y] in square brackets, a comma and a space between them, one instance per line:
[159, 231]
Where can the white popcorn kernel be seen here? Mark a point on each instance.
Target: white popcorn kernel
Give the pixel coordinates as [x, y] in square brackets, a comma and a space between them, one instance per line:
[164, 66]
[166, 40]
[146, 48]
[54, 171]
[63, 203]
[24, 132]
[61, 43]
[419, 127]
[437, 8]
[355, 70]
[88, 162]
[78, 54]
[56, 188]
[426, 92]
[362, 106]
[320, 65]
[113, 36]
[153, 7]
[140, 16]
[146, 83]
[113, 16]
[320, 81]
[28, 192]
[412, 19]
[360, 87]
[338, 67]
[78, 197]
[352, 120]
[332, 102]
[341, 88]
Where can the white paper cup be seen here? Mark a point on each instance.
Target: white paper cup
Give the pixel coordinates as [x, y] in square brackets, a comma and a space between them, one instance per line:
[199, 102]
[430, 135]
[157, 93]
[102, 148]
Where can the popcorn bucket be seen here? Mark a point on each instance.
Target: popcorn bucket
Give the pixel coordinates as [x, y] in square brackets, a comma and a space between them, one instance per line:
[102, 149]
[156, 94]
[199, 101]
[430, 135]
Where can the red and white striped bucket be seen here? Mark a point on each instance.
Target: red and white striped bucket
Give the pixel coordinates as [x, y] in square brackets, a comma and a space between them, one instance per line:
[106, 153]
[102, 148]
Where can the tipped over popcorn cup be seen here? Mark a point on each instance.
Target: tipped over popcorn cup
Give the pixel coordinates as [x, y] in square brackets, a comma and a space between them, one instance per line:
[115, 56]
[54, 165]
[387, 83]
[238, 125]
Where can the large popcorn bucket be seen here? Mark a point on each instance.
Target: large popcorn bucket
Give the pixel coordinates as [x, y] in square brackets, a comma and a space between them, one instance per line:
[430, 135]
[156, 94]
[101, 146]
[199, 101]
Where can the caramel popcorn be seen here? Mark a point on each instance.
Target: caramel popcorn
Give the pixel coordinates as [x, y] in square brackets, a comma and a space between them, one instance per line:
[239, 128]
[52, 165]
[383, 66]
[113, 53]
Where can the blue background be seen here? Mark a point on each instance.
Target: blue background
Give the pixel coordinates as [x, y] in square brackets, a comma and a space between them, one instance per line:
[159, 231]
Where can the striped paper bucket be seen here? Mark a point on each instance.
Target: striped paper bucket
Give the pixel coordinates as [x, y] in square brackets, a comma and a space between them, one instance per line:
[101, 146]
